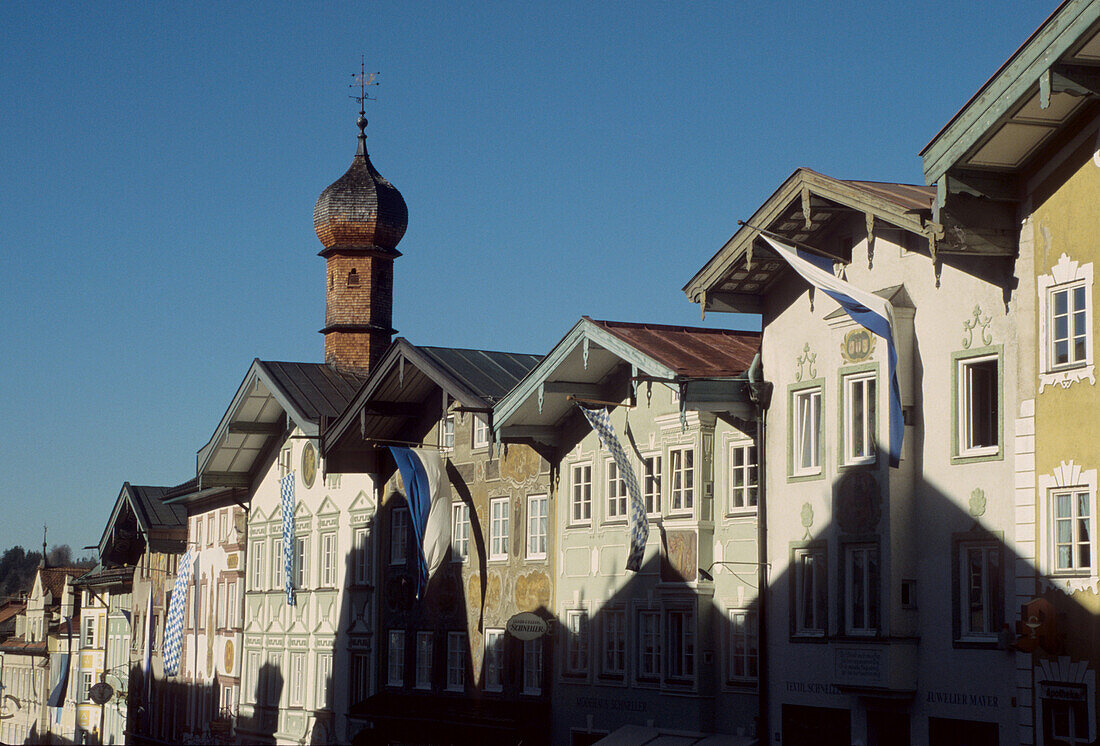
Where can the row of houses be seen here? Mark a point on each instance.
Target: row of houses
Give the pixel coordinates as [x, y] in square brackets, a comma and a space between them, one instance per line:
[853, 536]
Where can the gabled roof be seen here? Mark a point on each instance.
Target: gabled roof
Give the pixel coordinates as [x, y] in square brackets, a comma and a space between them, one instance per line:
[804, 210]
[272, 395]
[588, 363]
[11, 609]
[406, 379]
[53, 579]
[106, 576]
[153, 517]
[1046, 84]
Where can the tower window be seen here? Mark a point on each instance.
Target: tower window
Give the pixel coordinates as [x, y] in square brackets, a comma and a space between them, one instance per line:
[353, 279]
[331, 280]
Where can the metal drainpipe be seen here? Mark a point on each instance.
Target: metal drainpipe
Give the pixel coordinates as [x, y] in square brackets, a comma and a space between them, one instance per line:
[763, 731]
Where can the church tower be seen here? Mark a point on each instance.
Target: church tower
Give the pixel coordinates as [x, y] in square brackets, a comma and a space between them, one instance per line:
[359, 218]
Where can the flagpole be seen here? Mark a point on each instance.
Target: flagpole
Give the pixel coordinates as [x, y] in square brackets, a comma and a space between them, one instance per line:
[799, 244]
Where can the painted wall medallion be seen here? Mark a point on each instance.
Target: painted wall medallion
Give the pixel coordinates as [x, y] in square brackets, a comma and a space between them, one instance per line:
[859, 503]
[857, 346]
[679, 560]
[309, 464]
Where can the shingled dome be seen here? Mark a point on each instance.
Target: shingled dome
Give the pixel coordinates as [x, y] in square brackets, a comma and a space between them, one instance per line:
[360, 209]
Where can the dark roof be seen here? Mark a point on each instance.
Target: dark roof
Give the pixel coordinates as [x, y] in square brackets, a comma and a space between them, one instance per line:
[11, 609]
[53, 578]
[100, 575]
[315, 389]
[692, 352]
[910, 197]
[155, 513]
[488, 374]
[20, 645]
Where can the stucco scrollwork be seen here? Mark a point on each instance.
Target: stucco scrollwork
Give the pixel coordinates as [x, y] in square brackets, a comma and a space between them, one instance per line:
[981, 324]
[807, 360]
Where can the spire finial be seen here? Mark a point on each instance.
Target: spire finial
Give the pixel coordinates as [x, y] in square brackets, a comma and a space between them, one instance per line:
[42, 562]
[362, 80]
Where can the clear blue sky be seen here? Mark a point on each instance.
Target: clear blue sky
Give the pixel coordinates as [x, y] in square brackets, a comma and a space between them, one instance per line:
[160, 163]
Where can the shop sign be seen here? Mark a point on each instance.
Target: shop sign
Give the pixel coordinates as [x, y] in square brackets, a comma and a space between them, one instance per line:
[526, 626]
[101, 693]
[1064, 692]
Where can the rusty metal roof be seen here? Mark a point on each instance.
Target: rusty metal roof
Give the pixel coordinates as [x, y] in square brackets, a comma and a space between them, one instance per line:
[692, 352]
[910, 197]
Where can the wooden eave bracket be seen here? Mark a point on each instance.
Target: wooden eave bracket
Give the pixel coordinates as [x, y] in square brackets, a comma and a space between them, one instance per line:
[1076, 80]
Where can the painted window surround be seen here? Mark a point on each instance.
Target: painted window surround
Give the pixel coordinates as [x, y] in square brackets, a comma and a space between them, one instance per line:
[1066, 272]
[1067, 475]
[844, 375]
[792, 429]
[958, 359]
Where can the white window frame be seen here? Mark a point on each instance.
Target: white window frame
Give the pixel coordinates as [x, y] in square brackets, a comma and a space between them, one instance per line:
[615, 489]
[1069, 476]
[399, 535]
[361, 537]
[613, 642]
[499, 517]
[743, 654]
[576, 646]
[964, 403]
[328, 559]
[322, 698]
[862, 421]
[494, 660]
[681, 480]
[538, 507]
[395, 658]
[286, 460]
[447, 433]
[649, 647]
[88, 633]
[456, 661]
[990, 589]
[252, 676]
[301, 562]
[86, 684]
[220, 598]
[460, 531]
[297, 683]
[652, 482]
[278, 577]
[532, 667]
[811, 583]
[681, 643]
[424, 645]
[223, 526]
[870, 587]
[259, 554]
[580, 490]
[232, 603]
[1065, 275]
[1078, 525]
[481, 433]
[209, 529]
[744, 485]
[806, 414]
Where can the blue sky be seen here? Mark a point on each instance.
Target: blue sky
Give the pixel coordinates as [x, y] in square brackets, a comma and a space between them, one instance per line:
[160, 165]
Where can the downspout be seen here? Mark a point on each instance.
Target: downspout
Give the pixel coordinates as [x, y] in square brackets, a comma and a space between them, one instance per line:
[760, 393]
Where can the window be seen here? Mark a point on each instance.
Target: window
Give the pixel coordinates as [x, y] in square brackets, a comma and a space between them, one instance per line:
[399, 535]
[285, 461]
[536, 526]
[680, 625]
[155, 632]
[232, 604]
[616, 492]
[613, 660]
[651, 484]
[481, 433]
[532, 666]
[742, 476]
[861, 589]
[219, 620]
[981, 591]
[360, 677]
[323, 692]
[1066, 721]
[859, 418]
[456, 661]
[278, 561]
[86, 683]
[395, 671]
[297, 679]
[649, 645]
[210, 530]
[257, 552]
[582, 493]
[423, 660]
[494, 660]
[977, 404]
[498, 528]
[1065, 323]
[460, 531]
[328, 560]
[88, 634]
[362, 555]
[576, 648]
[743, 649]
[811, 590]
[301, 562]
[806, 450]
[223, 526]
[252, 675]
[447, 433]
[682, 472]
[1072, 525]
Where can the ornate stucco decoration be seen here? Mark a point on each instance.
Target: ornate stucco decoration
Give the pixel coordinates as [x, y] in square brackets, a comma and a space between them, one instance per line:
[859, 503]
[858, 345]
[807, 519]
[1068, 475]
[807, 359]
[977, 503]
[1063, 272]
[980, 323]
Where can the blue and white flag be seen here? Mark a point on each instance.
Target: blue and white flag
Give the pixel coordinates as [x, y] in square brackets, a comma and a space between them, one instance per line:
[286, 491]
[866, 309]
[429, 496]
[60, 676]
[639, 526]
[173, 625]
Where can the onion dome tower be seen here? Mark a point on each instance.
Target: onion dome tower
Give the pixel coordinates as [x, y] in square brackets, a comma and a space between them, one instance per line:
[359, 218]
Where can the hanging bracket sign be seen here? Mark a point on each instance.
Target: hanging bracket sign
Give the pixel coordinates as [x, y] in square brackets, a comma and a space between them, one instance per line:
[527, 626]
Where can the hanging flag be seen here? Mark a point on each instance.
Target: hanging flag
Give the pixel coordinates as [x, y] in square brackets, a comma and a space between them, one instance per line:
[429, 496]
[287, 492]
[639, 526]
[173, 625]
[60, 675]
[866, 309]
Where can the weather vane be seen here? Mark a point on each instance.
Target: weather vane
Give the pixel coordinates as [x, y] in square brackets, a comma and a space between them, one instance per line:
[361, 81]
